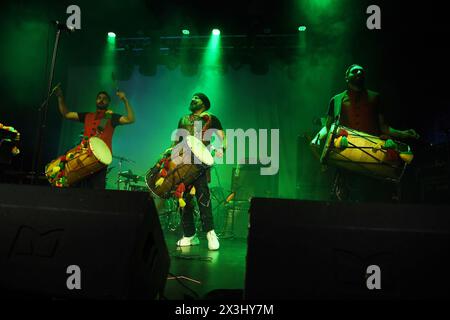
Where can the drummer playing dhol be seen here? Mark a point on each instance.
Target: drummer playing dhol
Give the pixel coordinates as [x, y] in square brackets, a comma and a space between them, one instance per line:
[199, 106]
[100, 123]
[360, 110]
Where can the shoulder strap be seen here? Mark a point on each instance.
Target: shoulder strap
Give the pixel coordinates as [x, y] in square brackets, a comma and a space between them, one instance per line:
[205, 113]
[107, 116]
[338, 105]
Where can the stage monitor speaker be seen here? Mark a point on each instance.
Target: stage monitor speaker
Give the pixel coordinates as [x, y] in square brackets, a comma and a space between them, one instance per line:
[323, 250]
[80, 244]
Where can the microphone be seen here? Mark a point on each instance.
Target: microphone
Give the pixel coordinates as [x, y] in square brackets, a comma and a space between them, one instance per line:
[63, 26]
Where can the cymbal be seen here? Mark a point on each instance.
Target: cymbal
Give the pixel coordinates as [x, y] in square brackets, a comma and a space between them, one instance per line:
[131, 176]
[123, 159]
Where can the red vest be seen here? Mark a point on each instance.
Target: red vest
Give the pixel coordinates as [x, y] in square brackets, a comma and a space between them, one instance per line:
[93, 121]
[360, 111]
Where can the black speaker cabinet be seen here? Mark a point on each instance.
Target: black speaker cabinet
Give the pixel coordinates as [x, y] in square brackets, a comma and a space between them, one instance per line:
[323, 250]
[111, 241]
[237, 220]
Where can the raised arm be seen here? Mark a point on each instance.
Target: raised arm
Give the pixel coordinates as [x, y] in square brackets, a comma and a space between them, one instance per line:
[129, 117]
[69, 115]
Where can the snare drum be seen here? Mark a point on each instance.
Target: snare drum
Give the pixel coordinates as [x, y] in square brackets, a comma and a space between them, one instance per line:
[79, 163]
[175, 168]
[365, 154]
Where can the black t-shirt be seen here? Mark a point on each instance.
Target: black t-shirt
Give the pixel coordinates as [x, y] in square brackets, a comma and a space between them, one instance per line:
[208, 121]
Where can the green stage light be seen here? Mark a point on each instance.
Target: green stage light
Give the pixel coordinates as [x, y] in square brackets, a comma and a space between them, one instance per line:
[111, 35]
[216, 32]
[185, 32]
[302, 28]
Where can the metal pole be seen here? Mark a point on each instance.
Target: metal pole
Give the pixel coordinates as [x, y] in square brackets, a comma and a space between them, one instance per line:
[43, 114]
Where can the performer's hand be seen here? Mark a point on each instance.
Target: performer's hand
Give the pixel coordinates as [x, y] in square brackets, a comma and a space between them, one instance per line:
[121, 95]
[58, 91]
[15, 151]
[167, 152]
[218, 153]
[316, 140]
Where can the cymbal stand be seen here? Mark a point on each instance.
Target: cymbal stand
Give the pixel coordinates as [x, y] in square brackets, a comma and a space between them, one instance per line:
[118, 174]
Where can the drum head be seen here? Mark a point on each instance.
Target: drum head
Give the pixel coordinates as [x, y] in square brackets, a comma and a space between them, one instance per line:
[200, 150]
[100, 150]
[327, 142]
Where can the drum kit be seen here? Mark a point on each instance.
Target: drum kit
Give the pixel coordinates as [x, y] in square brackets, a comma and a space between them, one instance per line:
[130, 181]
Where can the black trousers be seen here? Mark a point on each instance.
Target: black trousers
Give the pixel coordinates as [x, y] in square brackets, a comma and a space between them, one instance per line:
[204, 204]
[348, 186]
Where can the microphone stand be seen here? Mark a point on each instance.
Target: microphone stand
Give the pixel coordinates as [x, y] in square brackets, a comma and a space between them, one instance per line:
[43, 113]
[118, 174]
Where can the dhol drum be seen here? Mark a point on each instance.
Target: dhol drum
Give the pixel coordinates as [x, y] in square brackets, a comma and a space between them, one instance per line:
[89, 157]
[366, 154]
[182, 165]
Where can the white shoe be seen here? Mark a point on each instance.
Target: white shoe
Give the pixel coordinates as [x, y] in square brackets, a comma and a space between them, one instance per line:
[213, 242]
[188, 241]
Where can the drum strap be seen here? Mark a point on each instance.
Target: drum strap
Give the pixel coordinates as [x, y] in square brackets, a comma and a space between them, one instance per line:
[337, 104]
[102, 124]
[337, 99]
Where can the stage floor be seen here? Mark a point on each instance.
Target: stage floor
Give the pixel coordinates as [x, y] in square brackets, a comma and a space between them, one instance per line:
[204, 274]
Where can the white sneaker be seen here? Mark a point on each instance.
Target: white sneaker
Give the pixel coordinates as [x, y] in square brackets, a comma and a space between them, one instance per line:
[213, 242]
[188, 241]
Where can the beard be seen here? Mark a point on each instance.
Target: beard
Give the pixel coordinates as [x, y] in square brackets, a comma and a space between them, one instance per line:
[102, 107]
[194, 107]
[359, 83]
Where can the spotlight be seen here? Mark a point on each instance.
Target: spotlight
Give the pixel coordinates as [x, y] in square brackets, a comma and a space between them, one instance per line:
[111, 35]
[185, 32]
[302, 28]
[216, 32]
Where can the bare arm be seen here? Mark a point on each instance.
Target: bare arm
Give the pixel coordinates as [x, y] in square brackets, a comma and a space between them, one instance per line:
[63, 107]
[222, 137]
[129, 117]
[400, 134]
[220, 150]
